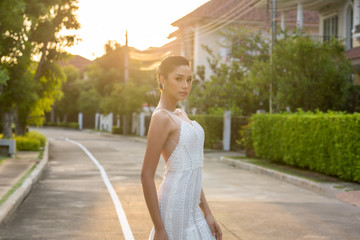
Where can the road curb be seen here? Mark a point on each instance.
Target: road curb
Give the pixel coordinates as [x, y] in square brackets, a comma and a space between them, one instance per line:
[14, 201]
[324, 189]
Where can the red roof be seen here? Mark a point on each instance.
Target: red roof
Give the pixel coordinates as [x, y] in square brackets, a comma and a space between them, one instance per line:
[77, 61]
[353, 53]
[240, 10]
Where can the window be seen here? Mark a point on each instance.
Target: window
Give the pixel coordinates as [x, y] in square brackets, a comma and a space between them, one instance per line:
[330, 28]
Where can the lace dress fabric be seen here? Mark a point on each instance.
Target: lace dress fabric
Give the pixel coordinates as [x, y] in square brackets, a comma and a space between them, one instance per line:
[180, 190]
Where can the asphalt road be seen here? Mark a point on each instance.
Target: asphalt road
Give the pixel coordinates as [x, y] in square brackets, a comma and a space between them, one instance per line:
[71, 200]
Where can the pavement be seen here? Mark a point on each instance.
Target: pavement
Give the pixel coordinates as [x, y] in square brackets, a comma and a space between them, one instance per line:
[13, 169]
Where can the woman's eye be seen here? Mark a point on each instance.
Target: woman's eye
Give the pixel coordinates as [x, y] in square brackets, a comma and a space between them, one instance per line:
[189, 80]
[178, 79]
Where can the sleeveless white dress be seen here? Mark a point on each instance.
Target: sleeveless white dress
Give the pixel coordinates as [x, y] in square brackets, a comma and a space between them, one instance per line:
[180, 190]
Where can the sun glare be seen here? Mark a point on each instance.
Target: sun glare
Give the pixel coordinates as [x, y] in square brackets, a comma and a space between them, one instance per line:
[147, 21]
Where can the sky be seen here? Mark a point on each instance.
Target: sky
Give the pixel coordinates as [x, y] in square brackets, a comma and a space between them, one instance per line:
[148, 23]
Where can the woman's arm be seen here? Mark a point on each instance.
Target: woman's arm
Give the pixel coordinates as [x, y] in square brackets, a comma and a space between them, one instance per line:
[214, 226]
[156, 139]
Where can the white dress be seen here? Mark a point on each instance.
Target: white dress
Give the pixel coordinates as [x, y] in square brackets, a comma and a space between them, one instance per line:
[180, 190]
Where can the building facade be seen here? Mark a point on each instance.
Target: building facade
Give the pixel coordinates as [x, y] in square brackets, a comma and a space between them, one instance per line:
[202, 27]
[338, 18]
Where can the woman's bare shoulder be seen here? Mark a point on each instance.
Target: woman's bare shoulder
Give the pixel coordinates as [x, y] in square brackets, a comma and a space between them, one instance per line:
[160, 117]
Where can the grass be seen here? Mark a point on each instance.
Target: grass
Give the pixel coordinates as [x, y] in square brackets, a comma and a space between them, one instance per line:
[17, 185]
[3, 159]
[41, 154]
[303, 173]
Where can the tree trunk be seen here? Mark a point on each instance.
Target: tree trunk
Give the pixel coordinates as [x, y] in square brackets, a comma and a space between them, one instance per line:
[7, 119]
[20, 129]
[52, 114]
[20, 123]
[41, 62]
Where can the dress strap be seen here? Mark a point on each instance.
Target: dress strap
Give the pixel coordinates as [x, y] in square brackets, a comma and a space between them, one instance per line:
[171, 114]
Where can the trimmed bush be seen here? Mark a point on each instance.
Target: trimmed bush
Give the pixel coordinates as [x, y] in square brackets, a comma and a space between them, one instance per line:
[213, 128]
[245, 140]
[237, 124]
[27, 144]
[37, 135]
[32, 141]
[116, 130]
[74, 125]
[328, 143]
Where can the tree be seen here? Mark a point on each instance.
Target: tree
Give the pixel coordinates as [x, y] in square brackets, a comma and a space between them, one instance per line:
[71, 89]
[306, 74]
[228, 88]
[106, 76]
[36, 33]
[12, 19]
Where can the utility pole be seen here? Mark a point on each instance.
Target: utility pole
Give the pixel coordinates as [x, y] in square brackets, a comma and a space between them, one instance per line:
[126, 60]
[273, 40]
[126, 80]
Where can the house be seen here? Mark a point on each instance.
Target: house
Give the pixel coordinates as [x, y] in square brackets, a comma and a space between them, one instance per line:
[77, 61]
[338, 18]
[151, 57]
[203, 26]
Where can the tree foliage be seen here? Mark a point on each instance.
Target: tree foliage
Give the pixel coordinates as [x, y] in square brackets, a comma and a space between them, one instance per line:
[29, 29]
[228, 88]
[102, 87]
[304, 73]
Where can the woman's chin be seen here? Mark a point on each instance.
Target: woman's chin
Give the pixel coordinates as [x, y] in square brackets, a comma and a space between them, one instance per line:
[182, 98]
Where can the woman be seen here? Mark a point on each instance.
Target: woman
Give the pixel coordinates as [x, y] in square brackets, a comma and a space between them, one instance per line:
[179, 211]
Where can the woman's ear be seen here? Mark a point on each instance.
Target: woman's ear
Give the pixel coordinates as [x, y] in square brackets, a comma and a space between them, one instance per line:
[162, 80]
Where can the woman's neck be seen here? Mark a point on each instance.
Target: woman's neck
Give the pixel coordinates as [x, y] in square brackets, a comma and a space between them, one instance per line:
[167, 103]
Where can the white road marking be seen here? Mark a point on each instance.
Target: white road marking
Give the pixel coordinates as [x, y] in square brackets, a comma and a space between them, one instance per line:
[119, 209]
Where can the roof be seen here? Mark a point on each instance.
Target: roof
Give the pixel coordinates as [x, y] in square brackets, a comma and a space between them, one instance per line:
[77, 61]
[240, 10]
[353, 53]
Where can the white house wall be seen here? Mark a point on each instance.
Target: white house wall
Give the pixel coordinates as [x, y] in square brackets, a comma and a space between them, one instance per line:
[200, 55]
[337, 9]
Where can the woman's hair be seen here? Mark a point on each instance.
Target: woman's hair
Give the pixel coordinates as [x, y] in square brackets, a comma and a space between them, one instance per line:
[168, 65]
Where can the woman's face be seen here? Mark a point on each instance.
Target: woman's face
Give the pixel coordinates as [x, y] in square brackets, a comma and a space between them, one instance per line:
[179, 82]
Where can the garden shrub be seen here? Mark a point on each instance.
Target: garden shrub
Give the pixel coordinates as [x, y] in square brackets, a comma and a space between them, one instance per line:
[213, 128]
[237, 123]
[245, 140]
[116, 130]
[27, 144]
[74, 125]
[37, 135]
[328, 143]
[32, 141]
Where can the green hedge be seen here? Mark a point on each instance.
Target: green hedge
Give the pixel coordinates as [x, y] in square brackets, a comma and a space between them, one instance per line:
[74, 125]
[36, 135]
[213, 128]
[116, 130]
[328, 143]
[32, 141]
[237, 125]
